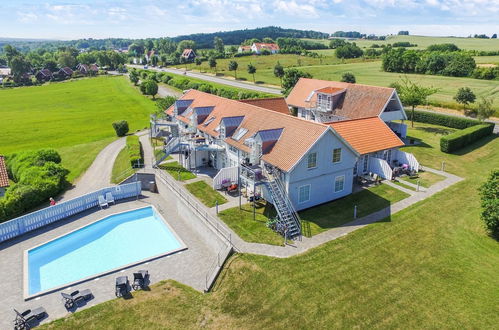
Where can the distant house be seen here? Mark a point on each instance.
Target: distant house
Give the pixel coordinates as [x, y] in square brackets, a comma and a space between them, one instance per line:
[149, 55]
[244, 49]
[44, 75]
[258, 47]
[65, 72]
[5, 72]
[87, 69]
[4, 178]
[188, 54]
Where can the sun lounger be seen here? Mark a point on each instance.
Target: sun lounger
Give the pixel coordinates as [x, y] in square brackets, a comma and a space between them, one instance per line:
[72, 299]
[139, 279]
[109, 198]
[121, 288]
[102, 202]
[22, 320]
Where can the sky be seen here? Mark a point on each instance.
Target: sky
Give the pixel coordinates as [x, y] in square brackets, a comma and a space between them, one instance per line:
[72, 19]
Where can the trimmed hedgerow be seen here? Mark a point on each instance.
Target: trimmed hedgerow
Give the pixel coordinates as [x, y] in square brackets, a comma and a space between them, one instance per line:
[121, 127]
[442, 120]
[489, 193]
[134, 150]
[37, 175]
[462, 138]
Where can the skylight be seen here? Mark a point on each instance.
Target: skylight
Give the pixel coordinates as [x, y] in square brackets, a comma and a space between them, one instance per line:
[239, 134]
[208, 121]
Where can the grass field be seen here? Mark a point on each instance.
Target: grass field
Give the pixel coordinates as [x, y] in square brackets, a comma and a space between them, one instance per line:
[206, 194]
[73, 117]
[428, 266]
[426, 179]
[177, 171]
[122, 168]
[424, 41]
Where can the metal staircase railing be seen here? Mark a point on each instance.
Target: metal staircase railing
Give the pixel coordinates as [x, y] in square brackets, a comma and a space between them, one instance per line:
[285, 209]
[170, 147]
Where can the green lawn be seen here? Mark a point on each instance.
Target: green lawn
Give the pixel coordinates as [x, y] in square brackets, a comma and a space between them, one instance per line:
[249, 229]
[206, 194]
[73, 117]
[339, 212]
[177, 171]
[426, 179]
[425, 41]
[429, 266]
[122, 168]
[400, 184]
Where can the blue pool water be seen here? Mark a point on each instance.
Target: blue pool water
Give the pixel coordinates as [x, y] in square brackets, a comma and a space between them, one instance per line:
[102, 246]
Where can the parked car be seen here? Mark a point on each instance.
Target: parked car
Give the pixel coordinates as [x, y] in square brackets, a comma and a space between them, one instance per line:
[145, 66]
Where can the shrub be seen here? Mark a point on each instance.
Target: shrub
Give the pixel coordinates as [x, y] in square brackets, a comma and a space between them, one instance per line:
[348, 77]
[38, 176]
[489, 193]
[442, 120]
[134, 150]
[462, 138]
[121, 127]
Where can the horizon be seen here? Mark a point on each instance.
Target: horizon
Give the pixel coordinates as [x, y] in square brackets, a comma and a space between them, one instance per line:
[98, 19]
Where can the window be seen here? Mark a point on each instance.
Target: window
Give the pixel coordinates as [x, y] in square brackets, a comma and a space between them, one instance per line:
[304, 194]
[239, 134]
[336, 155]
[312, 160]
[339, 183]
[365, 164]
[233, 149]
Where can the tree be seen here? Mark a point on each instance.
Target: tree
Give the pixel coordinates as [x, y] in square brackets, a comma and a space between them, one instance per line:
[149, 87]
[348, 77]
[494, 36]
[279, 71]
[465, 96]
[134, 76]
[186, 44]
[348, 51]
[489, 195]
[252, 70]
[50, 65]
[154, 60]
[164, 103]
[335, 43]
[19, 67]
[233, 67]
[219, 46]
[121, 127]
[66, 59]
[213, 64]
[10, 52]
[291, 77]
[412, 95]
[484, 108]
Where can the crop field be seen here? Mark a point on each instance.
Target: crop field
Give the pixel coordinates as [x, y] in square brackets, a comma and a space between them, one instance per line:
[73, 117]
[424, 41]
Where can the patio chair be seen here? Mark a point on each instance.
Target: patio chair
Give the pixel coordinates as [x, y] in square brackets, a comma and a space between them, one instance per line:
[139, 279]
[23, 320]
[102, 202]
[121, 288]
[110, 198]
[70, 300]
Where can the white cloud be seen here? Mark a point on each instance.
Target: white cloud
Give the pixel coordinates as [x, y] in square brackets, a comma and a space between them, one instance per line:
[305, 9]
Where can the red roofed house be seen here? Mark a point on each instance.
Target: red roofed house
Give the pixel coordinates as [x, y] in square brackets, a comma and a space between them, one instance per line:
[87, 69]
[65, 72]
[289, 161]
[257, 47]
[188, 54]
[244, 49]
[4, 177]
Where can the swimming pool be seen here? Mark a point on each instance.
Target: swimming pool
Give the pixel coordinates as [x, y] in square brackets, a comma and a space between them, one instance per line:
[114, 242]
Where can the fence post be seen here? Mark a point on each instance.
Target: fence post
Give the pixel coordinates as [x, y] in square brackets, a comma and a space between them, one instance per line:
[355, 212]
[443, 166]
[417, 188]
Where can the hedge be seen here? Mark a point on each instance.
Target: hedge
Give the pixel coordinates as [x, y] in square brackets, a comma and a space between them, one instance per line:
[37, 176]
[442, 120]
[134, 150]
[462, 138]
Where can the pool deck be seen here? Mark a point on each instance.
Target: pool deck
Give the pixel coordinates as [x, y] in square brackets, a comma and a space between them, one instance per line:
[189, 266]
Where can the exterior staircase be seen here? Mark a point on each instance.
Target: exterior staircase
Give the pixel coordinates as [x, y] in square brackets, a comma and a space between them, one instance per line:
[288, 217]
[172, 146]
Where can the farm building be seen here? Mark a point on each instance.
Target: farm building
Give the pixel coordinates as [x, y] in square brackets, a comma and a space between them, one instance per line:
[188, 54]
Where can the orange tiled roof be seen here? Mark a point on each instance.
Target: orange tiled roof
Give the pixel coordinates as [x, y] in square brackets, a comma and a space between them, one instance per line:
[297, 137]
[330, 90]
[269, 46]
[275, 104]
[367, 135]
[4, 177]
[359, 101]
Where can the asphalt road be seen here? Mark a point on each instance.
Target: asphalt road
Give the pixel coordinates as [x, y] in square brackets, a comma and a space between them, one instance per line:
[217, 80]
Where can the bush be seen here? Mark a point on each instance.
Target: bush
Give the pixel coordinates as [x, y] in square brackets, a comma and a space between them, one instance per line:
[462, 138]
[489, 193]
[121, 127]
[134, 150]
[348, 77]
[38, 176]
[442, 120]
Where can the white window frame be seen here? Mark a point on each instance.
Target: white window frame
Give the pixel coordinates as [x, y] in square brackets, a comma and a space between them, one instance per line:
[299, 193]
[308, 160]
[341, 152]
[336, 180]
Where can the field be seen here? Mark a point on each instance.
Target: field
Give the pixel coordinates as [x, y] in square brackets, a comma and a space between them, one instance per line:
[424, 41]
[428, 266]
[73, 117]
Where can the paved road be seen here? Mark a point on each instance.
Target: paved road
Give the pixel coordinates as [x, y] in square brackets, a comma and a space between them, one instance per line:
[217, 80]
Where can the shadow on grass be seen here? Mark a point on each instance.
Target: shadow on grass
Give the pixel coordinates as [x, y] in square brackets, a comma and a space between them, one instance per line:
[476, 145]
[242, 79]
[341, 211]
[435, 130]
[419, 143]
[268, 211]
[259, 82]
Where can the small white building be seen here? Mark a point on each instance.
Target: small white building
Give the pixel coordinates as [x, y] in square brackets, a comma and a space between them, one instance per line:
[258, 47]
[4, 177]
